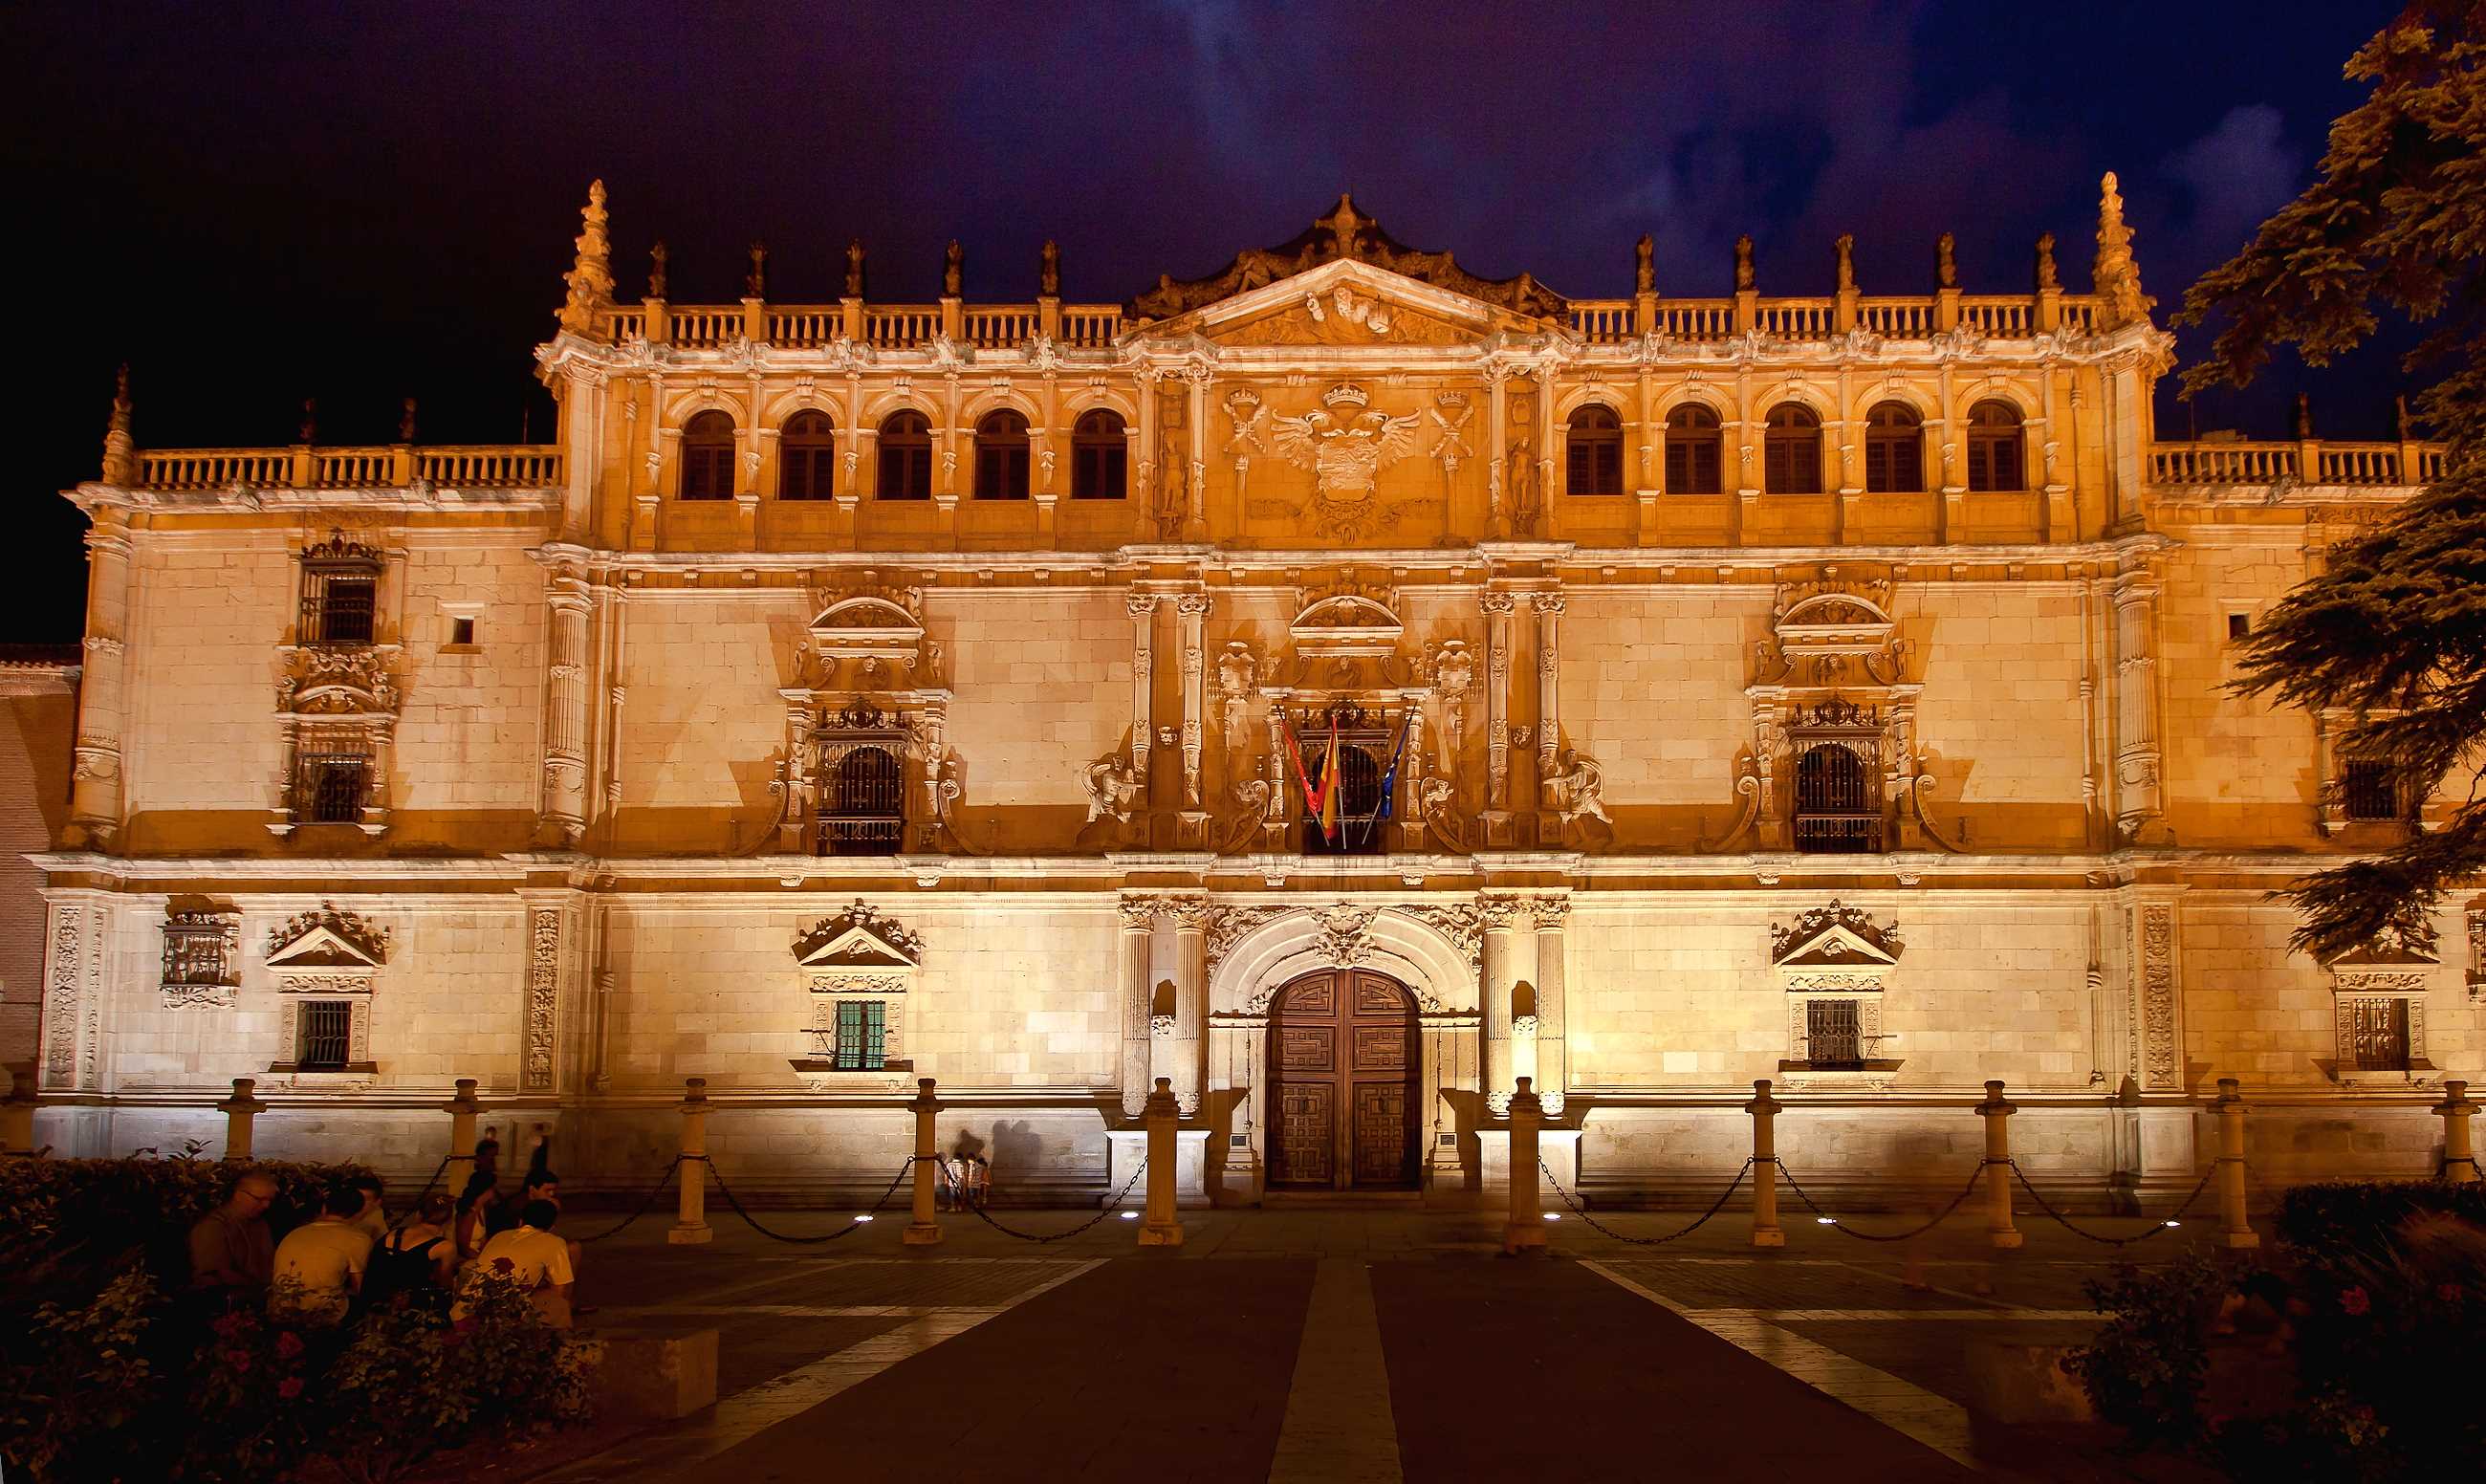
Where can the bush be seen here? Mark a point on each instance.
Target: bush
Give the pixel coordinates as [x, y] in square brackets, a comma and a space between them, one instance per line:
[2144, 1371]
[68, 1226]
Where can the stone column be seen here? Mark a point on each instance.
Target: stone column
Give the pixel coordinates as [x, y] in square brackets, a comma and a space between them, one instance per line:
[1549, 731]
[1192, 608]
[238, 1109]
[563, 816]
[1997, 1113]
[1190, 998]
[923, 1227]
[1195, 519]
[1162, 1227]
[95, 789]
[1498, 608]
[2139, 803]
[1139, 930]
[690, 1179]
[1143, 609]
[1143, 487]
[462, 1111]
[1526, 1226]
[1509, 954]
[1553, 1063]
[2235, 1232]
[1765, 1110]
[2459, 1155]
[1496, 471]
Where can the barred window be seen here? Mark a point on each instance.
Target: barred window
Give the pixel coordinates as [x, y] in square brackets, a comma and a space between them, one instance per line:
[862, 806]
[1100, 456]
[326, 1035]
[337, 603]
[1838, 809]
[2378, 1032]
[1360, 829]
[1593, 453]
[2369, 787]
[862, 1036]
[1833, 1034]
[333, 787]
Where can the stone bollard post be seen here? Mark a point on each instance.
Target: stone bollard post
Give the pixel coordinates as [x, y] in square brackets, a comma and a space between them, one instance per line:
[923, 1229]
[462, 1111]
[1997, 1114]
[2459, 1155]
[1526, 1227]
[1160, 1226]
[238, 1109]
[1765, 1170]
[2234, 1231]
[18, 1115]
[690, 1217]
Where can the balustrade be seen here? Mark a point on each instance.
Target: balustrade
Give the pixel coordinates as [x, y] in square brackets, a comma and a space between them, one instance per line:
[1091, 325]
[1695, 320]
[1601, 321]
[1793, 318]
[2221, 463]
[214, 468]
[1002, 327]
[697, 327]
[630, 324]
[1896, 318]
[354, 468]
[804, 325]
[895, 326]
[489, 468]
[2007, 316]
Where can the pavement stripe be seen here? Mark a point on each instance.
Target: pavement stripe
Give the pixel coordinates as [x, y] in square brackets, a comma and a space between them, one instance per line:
[1902, 1406]
[755, 1409]
[803, 1310]
[1819, 1315]
[1338, 1425]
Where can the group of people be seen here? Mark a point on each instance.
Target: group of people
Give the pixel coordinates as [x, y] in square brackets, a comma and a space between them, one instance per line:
[970, 1180]
[350, 1257]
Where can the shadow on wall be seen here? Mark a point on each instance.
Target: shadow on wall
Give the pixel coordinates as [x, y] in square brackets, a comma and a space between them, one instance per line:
[1017, 1149]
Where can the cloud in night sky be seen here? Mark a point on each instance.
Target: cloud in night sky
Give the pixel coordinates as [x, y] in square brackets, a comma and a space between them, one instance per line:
[2239, 174]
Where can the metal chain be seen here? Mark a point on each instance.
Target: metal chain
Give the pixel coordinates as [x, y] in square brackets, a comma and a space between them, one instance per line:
[2162, 1223]
[1836, 1225]
[653, 1191]
[848, 1228]
[1602, 1230]
[1029, 1236]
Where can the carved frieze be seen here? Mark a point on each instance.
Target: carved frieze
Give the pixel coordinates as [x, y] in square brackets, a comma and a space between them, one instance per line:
[544, 998]
[2160, 1055]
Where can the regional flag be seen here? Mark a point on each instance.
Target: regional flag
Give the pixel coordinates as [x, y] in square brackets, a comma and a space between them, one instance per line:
[1329, 788]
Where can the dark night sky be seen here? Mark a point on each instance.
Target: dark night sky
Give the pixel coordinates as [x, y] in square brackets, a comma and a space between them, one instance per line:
[254, 204]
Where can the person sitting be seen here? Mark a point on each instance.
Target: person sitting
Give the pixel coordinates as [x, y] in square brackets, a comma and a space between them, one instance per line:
[540, 1185]
[416, 1259]
[231, 1250]
[530, 1255]
[474, 1207]
[319, 1265]
[373, 1220]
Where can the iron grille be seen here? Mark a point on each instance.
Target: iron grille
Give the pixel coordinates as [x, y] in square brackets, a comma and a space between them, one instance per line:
[327, 1035]
[1833, 1034]
[1837, 808]
[1359, 831]
[863, 810]
[2370, 789]
[333, 787]
[861, 1036]
[194, 956]
[2378, 1033]
[337, 605]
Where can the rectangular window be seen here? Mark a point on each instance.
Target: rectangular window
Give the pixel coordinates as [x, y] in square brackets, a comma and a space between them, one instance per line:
[1834, 1035]
[338, 604]
[2370, 789]
[327, 1035]
[2239, 627]
[333, 787]
[861, 1026]
[461, 631]
[1692, 465]
[2378, 1033]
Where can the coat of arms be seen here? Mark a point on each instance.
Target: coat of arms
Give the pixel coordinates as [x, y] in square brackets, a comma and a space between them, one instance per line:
[1345, 447]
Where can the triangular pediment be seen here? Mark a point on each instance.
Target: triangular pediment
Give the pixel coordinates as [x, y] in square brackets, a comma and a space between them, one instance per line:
[1344, 304]
[1835, 936]
[859, 938]
[1835, 948]
[322, 948]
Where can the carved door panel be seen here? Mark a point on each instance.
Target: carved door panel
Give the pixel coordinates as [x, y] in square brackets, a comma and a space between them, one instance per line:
[1343, 1064]
[1306, 1132]
[1380, 1132]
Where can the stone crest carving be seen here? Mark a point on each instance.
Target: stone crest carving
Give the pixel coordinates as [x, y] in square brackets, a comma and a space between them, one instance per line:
[202, 957]
[858, 936]
[327, 951]
[2157, 996]
[1344, 934]
[1346, 444]
[358, 681]
[544, 998]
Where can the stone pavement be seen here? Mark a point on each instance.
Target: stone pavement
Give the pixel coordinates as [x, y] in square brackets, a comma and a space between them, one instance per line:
[1351, 1345]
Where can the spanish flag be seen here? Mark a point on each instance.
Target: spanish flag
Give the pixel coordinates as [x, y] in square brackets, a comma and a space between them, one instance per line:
[1329, 788]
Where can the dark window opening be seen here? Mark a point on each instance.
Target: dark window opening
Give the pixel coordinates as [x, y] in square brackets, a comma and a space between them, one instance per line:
[1792, 451]
[1834, 1035]
[338, 603]
[1995, 448]
[1692, 451]
[1359, 831]
[334, 787]
[861, 1036]
[1100, 457]
[1001, 456]
[2378, 1033]
[906, 457]
[863, 811]
[708, 457]
[2239, 625]
[806, 457]
[1594, 453]
[326, 1036]
[2370, 788]
[461, 631]
[1894, 450]
[1838, 809]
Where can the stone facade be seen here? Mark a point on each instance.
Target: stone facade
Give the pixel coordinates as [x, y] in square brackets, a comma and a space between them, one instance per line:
[858, 691]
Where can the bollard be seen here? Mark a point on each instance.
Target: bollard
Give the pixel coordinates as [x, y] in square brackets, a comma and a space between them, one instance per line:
[1526, 1227]
[2235, 1232]
[462, 1112]
[238, 1109]
[1997, 1114]
[925, 1229]
[1765, 1170]
[1161, 1226]
[2459, 1155]
[18, 1115]
[690, 1220]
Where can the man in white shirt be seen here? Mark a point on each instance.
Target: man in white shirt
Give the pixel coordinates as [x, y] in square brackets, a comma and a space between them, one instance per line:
[529, 1255]
[319, 1266]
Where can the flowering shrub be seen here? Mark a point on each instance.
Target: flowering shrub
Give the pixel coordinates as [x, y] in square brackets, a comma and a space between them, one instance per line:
[68, 1226]
[2144, 1371]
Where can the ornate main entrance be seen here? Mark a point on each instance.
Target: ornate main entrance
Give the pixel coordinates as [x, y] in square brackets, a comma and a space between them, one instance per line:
[1343, 1064]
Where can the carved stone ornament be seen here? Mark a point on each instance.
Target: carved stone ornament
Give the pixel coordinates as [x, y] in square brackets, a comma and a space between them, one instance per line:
[1231, 925]
[1346, 234]
[326, 952]
[1834, 933]
[358, 681]
[1346, 444]
[859, 938]
[202, 959]
[1343, 935]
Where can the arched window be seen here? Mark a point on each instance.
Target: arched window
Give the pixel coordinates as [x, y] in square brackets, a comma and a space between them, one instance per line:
[1837, 808]
[1001, 456]
[1692, 451]
[863, 810]
[1791, 451]
[1895, 448]
[1995, 448]
[906, 457]
[806, 457]
[1100, 456]
[1593, 453]
[707, 457]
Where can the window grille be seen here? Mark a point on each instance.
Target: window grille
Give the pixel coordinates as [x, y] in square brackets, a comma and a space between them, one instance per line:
[1834, 1035]
[2378, 1033]
[906, 457]
[862, 1036]
[1593, 461]
[332, 786]
[326, 1035]
[337, 603]
[1838, 809]
[708, 457]
[862, 806]
[2369, 787]
[1692, 451]
[806, 459]
[1360, 766]
[1100, 457]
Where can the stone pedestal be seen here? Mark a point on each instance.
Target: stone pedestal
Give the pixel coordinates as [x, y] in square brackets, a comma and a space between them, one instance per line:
[1126, 1148]
[1559, 1148]
[648, 1376]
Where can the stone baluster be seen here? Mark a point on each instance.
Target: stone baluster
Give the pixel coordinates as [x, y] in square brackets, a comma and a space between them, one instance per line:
[1765, 1170]
[690, 1217]
[238, 1109]
[1997, 1114]
[1526, 1226]
[2235, 1230]
[923, 1227]
[1162, 1227]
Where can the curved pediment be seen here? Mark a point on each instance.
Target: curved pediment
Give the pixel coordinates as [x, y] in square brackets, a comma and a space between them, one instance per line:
[1346, 624]
[875, 615]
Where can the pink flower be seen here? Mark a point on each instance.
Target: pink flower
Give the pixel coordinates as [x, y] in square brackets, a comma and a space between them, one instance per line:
[287, 1345]
[289, 1388]
[227, 1325]
[2355, 1301]
[238, 1359]
[2448, 1293]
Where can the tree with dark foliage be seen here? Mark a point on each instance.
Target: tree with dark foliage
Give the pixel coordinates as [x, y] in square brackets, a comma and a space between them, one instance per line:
[2393, 627]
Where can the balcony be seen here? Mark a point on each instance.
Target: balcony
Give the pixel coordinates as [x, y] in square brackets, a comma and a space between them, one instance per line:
[2262, 468]
[397, 466]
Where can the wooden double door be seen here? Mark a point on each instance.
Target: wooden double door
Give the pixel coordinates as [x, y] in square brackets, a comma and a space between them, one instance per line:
[1344, 1061]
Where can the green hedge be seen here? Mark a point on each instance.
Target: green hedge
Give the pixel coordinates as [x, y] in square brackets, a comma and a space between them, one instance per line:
[68, 1226]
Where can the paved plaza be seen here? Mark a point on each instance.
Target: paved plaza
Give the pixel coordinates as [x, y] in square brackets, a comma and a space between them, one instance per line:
[1347, 1345]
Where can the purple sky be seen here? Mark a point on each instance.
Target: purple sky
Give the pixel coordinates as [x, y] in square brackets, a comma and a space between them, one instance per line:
[257, 204]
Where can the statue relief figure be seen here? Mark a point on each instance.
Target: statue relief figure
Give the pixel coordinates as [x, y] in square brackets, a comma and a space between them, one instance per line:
[1580, 796]
[1115, 788]
[1173, 506]
[1235, 672]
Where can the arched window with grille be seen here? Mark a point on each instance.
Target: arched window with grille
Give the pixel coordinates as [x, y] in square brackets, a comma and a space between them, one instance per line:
[707, 457]
[1894, 450]
[1593, 452]
[806, 457]
[1791, 451]
[1996, 448]
[862, 804]
[1001, 456]
[1838, 808]
[906, 457]
[1359, 831]
[1100, 456]
[1692, 451]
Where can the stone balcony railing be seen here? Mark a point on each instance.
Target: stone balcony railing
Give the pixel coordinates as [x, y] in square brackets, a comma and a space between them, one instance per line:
[882, 326]
[2309, 461]
[515, 466]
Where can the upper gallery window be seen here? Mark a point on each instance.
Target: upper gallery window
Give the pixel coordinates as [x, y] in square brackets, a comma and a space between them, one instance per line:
[1692, 451]
[1100, 456]
[1594, 450]
[1001, 456]
[906, 457]
[806, 457]
[1996, 448]
[1791, 449]
[1838, 808]
[707, 457]
[341, 584]
[1894, 450]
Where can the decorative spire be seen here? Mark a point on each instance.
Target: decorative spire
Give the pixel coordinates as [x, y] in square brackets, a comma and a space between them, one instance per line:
[2116, 276]
[1945, 265]
[1644, 265]
[590, 275]
[1846, 245]
[2047, 280]
[309, 431]
[2400, 405]
[120, 452]
[1049, 270]
[854, 270]
[2304, 415]
[658, 256]
[953, 269]
[754, 283]
[1743, 262]
[405, 421]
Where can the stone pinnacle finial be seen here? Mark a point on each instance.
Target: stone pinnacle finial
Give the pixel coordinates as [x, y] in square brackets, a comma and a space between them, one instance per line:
[2400, 405]
[2305, 414]
[309, 431]
[2047, 280]
[405, 421]
[1846, 245]
[590, 275]
[854, 268]
[953, 270]
[1946, 261]
[1049, 270]
[2114, 273]
[1644, 265]
[754, 283]
[120, 452]
[658, 256]
[1743, 262]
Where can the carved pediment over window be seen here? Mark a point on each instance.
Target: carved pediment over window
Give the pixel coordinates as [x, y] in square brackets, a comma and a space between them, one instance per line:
[201, 958]
[327, 951]
[1347, 621]
[1831, 633]
[859, 941]
[1837, 938]
[1348, 236]
[320, 681]
[341, 550]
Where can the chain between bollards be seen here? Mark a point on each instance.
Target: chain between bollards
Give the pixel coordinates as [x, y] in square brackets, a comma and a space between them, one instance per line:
[1836, 1225]
[986, 1218]
[416, 1204]
[1715, 1206]
[672, 1167]
[2159, 1225]
[850, 1227]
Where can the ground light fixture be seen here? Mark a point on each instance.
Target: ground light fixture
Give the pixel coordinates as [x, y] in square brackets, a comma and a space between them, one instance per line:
[1553, 1216]
[1130, 1216]
[1827, 1221]
[866, 1216]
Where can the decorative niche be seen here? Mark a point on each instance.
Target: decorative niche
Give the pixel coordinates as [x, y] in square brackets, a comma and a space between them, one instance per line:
[2378, 1015]
[326, 966]
[860, 969]
[202, 959]
[1833, 963]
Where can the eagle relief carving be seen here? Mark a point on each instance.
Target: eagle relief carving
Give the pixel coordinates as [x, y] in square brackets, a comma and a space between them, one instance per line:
[1346, 447]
